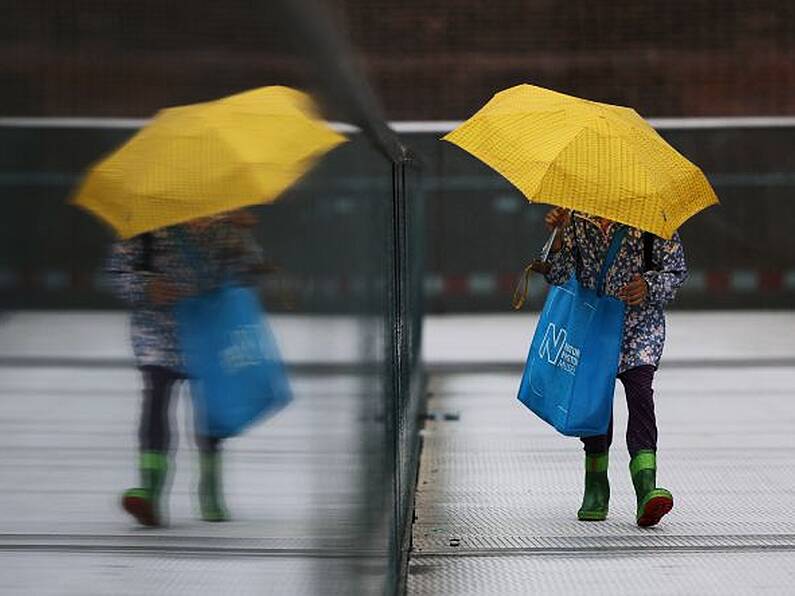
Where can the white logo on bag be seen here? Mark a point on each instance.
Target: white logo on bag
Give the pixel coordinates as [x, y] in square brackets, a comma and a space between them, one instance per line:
[558, 351]
[244, 348]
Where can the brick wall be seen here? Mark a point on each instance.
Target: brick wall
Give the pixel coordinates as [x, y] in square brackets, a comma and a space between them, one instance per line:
[664, 57]
[428, 59]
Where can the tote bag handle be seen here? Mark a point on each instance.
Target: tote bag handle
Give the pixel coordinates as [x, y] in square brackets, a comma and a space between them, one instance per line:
[615, 245]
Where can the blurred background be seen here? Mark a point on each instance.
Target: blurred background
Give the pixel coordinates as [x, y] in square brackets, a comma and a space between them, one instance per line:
[714, 76]
[391, 226]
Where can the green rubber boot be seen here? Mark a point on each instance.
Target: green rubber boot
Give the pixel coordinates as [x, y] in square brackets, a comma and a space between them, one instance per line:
[211, 500]
[143, 503]
[597, 489]
[653, 502]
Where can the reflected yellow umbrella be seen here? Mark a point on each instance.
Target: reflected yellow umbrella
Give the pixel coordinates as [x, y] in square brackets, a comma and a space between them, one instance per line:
[208, 158]
[597, 158]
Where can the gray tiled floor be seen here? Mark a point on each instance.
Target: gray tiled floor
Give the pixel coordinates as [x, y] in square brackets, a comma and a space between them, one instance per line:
[498, 492]
[295, 484]
[494, 480]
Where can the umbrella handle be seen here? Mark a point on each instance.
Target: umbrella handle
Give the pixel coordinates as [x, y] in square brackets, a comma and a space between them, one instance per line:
[544, 257]
[539, 266]
[522, 288]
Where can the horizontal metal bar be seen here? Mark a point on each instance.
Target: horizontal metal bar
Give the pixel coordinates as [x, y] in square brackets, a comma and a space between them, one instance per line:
[408, 126]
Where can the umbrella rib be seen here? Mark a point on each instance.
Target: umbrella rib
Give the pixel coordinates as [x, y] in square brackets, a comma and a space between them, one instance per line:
[552, 161]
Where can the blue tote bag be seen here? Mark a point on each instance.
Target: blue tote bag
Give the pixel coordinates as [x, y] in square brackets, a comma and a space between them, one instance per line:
[571, 369]
[236, 373]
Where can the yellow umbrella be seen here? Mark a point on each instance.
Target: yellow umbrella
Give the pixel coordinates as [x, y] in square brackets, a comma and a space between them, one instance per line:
[204, 159]
[593, 157]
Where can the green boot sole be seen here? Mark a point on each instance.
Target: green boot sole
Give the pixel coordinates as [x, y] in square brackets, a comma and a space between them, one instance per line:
[143, 503]
[139, 503]
[593, 515]
[215, 515]
[653, 502]
[654, 506]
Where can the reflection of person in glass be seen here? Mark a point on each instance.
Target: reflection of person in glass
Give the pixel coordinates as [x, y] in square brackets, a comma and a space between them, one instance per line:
[645, 275]
[151, 272]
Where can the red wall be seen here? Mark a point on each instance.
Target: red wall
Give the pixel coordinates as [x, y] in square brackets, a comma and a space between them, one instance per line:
[429, 59]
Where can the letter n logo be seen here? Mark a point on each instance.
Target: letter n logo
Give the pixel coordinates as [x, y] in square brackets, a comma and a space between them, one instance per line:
[552, 344]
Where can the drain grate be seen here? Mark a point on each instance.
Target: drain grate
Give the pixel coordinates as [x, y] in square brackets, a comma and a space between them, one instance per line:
[575, 545]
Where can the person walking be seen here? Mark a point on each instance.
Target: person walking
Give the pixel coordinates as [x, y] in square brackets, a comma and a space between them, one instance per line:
[645, 275]
[151, 272]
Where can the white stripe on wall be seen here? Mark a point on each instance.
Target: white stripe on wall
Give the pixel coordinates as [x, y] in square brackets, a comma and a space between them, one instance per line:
[744, 281]
[482, 283]
[410, 126]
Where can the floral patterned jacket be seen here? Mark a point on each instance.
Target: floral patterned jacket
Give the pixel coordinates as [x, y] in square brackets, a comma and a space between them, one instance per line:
[194, 262]
[583, 251]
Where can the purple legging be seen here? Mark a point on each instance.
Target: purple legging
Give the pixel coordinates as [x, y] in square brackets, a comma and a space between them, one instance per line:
[154, 432]
[641, 427]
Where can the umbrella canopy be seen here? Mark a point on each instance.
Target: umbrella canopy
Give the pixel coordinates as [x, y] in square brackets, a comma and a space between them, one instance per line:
[204, 159]
[593, 157]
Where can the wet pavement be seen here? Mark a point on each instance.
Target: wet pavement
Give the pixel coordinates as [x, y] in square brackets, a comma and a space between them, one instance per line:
[497, 493]
[498, 490]
[69, 407]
